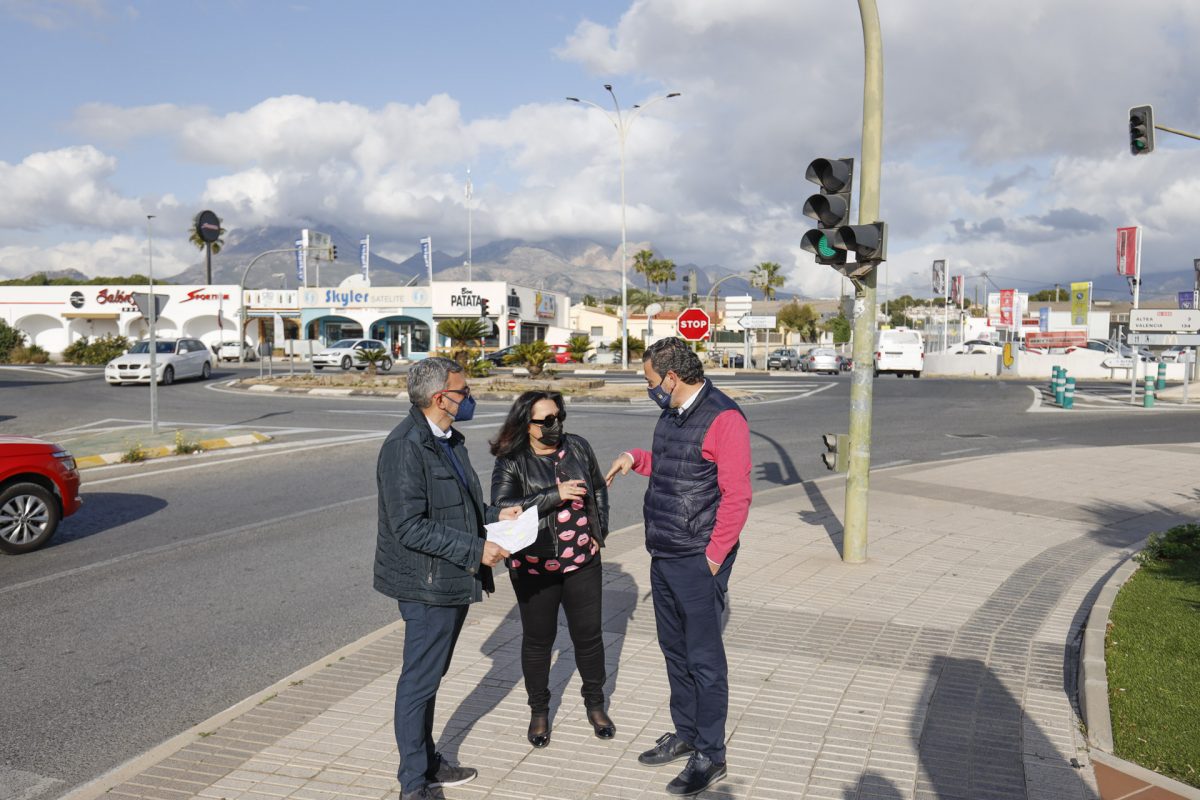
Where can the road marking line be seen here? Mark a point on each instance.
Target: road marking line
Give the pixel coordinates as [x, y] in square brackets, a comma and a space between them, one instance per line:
[892, 464]
[965, 450]
[821, 389]
[1037, 399]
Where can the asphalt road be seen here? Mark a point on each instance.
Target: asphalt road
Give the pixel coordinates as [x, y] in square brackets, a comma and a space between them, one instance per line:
[188, 584]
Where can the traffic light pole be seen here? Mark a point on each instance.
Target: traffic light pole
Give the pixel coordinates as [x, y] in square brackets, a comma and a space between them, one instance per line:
[854, 536]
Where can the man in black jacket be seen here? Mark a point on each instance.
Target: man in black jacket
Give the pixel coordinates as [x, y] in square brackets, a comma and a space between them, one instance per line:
[431, 556]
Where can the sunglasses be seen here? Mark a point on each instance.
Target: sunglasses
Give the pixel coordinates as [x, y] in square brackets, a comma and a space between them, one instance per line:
[550, 420]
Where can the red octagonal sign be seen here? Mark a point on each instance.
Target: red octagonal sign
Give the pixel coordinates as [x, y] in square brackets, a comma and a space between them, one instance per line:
[693, 324]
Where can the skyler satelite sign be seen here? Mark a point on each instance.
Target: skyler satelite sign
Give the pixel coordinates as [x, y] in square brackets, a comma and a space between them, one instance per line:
[1168, 320]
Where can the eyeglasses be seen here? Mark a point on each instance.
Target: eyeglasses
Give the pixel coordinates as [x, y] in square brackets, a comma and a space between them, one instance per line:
[550, 420]
[465, 391]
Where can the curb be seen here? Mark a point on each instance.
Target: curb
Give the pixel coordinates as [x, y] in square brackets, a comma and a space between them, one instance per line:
[106, 459]
[1123, 778]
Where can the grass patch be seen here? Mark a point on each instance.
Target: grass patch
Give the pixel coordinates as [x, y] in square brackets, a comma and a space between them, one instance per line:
[185, 446]
[135, 454]
[1153, 655]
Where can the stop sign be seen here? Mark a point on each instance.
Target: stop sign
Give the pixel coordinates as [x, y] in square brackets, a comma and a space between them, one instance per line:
[693, 324]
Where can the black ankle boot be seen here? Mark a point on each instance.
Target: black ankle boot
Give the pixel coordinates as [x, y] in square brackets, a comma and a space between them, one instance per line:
[601, 724]
[539, 729]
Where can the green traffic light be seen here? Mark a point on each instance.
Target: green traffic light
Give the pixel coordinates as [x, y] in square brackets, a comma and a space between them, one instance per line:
[823, 247]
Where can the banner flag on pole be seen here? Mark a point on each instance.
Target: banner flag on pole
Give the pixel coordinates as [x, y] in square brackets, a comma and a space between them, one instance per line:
[1006, 307]
[939, 277]
[300, 276]
[1127, 251]
[956, 289]
[427, 251]
[364, 256]
[1081, 301]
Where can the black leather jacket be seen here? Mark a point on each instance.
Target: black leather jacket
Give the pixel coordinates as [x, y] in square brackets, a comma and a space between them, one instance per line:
[430, 536]
[529, 480]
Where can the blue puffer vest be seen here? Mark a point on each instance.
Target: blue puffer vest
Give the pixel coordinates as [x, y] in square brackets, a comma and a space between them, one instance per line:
[681, 501]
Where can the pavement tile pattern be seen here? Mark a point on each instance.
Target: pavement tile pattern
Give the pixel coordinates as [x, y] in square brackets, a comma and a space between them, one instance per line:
[942, 668]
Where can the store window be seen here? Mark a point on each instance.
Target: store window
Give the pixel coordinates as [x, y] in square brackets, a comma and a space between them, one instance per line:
[597, 331]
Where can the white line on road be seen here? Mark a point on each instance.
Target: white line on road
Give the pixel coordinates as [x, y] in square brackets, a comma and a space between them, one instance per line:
[1037, 399]
[820, 389]
[965, 450]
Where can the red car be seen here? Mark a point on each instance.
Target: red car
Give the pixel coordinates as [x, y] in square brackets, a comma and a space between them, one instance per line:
[562, 355]
[39, 485]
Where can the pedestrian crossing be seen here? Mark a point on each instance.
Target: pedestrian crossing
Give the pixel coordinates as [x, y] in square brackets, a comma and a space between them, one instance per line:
[53, 370]
[1113, 398]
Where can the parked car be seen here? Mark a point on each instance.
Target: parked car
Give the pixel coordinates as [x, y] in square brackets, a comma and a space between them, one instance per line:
[39, 485]
[228, 351]
[1172, 355]
[734, 359]
[562, 355]
[976, 346]
[174, 358]
[344, 353]
[823, 359]
[1117, 349]
[603, 355]
[497, 357]
[899, 351]
[783, 358]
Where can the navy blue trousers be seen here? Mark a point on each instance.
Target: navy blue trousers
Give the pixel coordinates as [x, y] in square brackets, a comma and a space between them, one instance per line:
[688, 603]
[430, 633]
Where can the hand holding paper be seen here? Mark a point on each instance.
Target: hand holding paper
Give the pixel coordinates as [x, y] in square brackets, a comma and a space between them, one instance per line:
[515, 534]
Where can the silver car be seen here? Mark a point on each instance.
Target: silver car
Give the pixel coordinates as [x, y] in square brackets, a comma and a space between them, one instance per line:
[174, 358]
[823, 359]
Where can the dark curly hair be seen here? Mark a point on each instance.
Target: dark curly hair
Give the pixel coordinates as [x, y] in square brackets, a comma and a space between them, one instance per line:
[513, 437]
[675, 355]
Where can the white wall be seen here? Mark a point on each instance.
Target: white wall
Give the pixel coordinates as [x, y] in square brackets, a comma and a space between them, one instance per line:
[1080, 364]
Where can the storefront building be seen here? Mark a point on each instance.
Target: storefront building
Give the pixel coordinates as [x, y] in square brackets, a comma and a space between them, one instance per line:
[518, 314]
[401, 316]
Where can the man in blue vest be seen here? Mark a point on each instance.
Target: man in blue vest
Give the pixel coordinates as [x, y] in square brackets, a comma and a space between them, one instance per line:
[432, 557]
[695, 507]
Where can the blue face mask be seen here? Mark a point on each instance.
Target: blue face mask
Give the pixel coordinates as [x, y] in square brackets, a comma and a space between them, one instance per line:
[466, 410]
[660, 395]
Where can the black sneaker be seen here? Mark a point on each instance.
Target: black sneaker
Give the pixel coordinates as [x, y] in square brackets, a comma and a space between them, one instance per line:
[700, 773]
[444, 773]
[668, 748]
[424, 793]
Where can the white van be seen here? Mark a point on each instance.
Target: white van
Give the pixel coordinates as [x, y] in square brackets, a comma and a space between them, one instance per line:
[899, 350]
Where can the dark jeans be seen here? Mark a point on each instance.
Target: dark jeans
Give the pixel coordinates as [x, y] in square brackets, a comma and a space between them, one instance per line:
[430, 633]
[688, 603]
[538, 598]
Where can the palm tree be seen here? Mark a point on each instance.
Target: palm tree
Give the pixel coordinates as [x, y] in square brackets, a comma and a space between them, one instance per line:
[532, 355]
[579, 347]
[766, 277]
[373, 358]
[209, 248]
[643, 263]
[460, 332]
[664, 272]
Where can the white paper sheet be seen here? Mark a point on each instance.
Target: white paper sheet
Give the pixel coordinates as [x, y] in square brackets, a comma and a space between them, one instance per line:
[515, 534]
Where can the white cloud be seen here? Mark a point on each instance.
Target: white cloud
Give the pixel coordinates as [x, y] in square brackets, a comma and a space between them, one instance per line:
[67, 186]
[114, 255]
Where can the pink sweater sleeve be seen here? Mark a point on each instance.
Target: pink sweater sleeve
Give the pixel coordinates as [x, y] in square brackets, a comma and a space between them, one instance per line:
[727, 444]
[642, 461]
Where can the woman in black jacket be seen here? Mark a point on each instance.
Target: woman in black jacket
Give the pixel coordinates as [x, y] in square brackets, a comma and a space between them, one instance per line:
[537, 464]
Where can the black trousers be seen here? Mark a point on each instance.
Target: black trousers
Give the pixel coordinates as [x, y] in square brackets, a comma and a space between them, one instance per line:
[539, 598]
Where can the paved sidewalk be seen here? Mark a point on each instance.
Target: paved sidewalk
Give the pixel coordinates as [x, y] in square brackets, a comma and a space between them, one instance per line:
[943, 668]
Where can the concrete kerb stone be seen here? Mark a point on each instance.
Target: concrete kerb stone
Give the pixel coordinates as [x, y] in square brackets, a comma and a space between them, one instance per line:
[222, 443]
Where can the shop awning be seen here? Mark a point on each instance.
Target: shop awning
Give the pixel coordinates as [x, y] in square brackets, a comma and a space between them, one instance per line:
[90, 315]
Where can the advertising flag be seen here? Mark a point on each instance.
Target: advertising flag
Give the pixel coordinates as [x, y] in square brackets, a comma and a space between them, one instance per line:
[1006, 307]
[1128, 241]
[427, 251]
[1081, 302]
[1187, 300]
[364, 256]
[956, 289]
[939, 278]
[1044, 319]
[300, 263]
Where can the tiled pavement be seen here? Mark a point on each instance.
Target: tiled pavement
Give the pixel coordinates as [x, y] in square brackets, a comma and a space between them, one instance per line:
[942, 668]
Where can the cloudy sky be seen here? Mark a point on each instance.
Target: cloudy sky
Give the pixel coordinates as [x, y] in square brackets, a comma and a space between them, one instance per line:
[1005, 140]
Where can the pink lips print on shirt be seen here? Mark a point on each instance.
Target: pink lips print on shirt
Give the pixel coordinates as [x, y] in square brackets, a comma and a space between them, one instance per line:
[584, 539]
[552, 566]
[567, 536]
[564, 515]
[568, 553]
[581, 522]
[577, 505]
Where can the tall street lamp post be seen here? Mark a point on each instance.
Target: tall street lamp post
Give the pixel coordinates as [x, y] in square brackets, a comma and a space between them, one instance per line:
[623, 122]
[153, 336]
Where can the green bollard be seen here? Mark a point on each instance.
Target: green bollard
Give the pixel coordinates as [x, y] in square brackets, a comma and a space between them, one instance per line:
[1061, 386]
[1148, 394]
[1053, 379]
[1068, 398]
[1161, 383]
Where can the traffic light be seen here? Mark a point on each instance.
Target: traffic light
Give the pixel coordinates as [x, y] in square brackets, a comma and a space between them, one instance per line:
[830, 208]
[333, 252]
[483, 307]
[1141, 130]
[837, 452]
[867, 242]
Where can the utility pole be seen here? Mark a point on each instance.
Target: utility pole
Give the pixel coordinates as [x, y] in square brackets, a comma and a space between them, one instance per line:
[153, 336]
[854, 537]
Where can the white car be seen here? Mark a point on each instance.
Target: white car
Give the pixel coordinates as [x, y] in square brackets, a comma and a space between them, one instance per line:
[899, 351]
[174, 358]
[977, 346]
[228, 351]
[344, 353]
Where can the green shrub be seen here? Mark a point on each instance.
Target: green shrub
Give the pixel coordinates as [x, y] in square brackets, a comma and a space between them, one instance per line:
[10, 339]
[1179, 542]
[531, 355]
[28, 354]
[98, 351]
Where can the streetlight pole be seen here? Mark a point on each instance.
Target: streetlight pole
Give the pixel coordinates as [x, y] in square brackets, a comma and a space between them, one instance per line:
[153, 337]
[623, 123]
[467, 191]
[242, 299]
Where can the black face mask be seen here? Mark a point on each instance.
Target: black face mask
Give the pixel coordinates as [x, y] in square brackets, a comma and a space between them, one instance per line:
[552, 434]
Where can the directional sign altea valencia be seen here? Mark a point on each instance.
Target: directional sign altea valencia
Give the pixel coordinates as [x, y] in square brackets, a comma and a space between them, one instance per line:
[693, 324]
[1167, 320]
[761, 321]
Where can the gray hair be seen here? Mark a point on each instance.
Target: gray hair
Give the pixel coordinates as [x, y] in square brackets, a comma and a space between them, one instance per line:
[675, 355]
[428, 377]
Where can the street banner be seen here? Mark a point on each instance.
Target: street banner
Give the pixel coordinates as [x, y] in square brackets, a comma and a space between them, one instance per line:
[1081, 302]
[956, 289]
[427, 251]
[364, 256]
[1006, 307]
[939, 278]
[1187, 300]
[1128, 251]
[300, 281]
[1044, 319]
